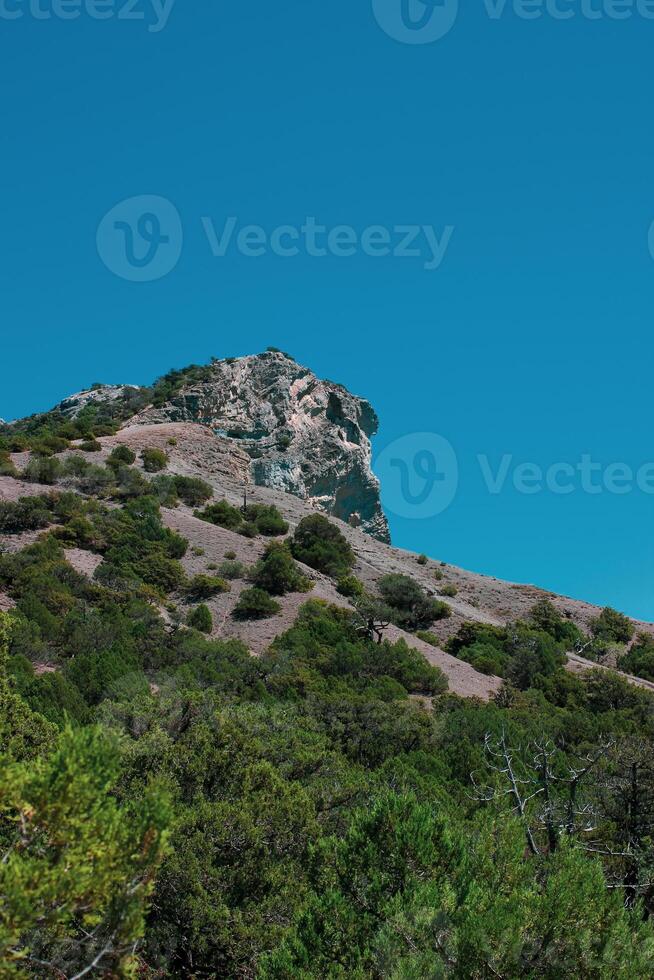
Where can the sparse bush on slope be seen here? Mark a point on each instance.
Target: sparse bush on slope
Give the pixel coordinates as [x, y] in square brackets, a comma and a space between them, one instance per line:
[409, 605]
[318, 543]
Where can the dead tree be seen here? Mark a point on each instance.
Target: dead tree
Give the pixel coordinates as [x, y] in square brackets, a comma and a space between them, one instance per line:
[520, 789]
[626, 810]
[544, 786]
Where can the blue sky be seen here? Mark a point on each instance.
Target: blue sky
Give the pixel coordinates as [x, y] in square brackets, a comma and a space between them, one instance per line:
[529, 139]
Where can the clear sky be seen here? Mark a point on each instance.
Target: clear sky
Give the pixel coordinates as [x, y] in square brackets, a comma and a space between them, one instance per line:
[524, 146]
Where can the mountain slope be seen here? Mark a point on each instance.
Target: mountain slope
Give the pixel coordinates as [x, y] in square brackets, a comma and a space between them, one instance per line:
[194, 450]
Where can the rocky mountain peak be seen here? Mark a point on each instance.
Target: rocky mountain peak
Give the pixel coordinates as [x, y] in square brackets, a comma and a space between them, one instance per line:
[303, 435]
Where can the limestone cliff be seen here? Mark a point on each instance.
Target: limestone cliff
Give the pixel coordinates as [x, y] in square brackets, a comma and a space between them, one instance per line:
[303, 436]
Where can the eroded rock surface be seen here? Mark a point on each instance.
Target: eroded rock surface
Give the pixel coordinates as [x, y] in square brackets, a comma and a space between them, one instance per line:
[303, 436]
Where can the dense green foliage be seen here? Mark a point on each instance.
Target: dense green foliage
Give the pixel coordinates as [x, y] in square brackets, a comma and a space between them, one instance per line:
[278, 573]
[640, 658]
[255, 604]
[121, 456]
[350, 586]
[319, 543]
[177, 807]
[154, 460]
[200, 619]
[408, 605]
[522, 653]
[612, 626]
[250, 520]
[52, 432]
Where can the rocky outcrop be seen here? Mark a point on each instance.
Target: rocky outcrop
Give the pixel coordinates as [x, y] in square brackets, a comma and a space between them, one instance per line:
[303, 436]
[97, 395]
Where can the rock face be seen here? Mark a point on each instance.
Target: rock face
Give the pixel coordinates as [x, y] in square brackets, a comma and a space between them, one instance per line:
[73, 405]
[304, 436]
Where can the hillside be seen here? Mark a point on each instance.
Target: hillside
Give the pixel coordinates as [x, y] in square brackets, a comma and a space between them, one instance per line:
[242, 735]
[221, 462]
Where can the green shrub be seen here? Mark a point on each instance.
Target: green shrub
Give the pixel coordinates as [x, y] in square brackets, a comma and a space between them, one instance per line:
[121, 456]
[256, 519]
[255, 604]
[410, 606]
[192, 490]
[640, 659]
[267, 519]
[547, 618]
[438, 575]
[612, 626]
[449, 590]
[43, 469]
[277, 572]
[232, 570]
[154, 460]
[200, 619]
[7, 466]
[422, 559]
[205, 587]
[319, 543]
[139, 548]
[350, 586]
[222, 514]
[323, 646]
[230, 555]
[532, 654]
[90, 446]
[519, 652]
[50, 445]
[162, 573]
[428, 637]
[165, 490]
[130, 483]
[75, 465]
[97, 480]
[26, 514]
